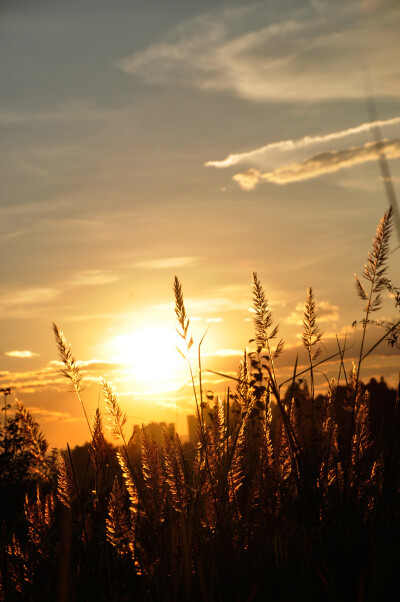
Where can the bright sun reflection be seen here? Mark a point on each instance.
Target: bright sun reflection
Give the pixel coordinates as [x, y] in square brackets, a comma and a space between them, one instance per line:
[150, 354]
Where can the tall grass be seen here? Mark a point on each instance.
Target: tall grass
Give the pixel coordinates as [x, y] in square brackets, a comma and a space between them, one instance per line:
[287, 497]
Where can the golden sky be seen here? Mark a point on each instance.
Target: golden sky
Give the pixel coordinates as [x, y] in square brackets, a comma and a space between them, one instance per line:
[203, 139]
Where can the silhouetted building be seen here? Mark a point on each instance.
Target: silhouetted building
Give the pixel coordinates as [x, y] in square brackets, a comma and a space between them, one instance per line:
[192, 428]
[155, 430]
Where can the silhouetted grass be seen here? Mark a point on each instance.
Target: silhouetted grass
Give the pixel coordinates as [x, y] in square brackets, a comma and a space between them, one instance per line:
[288, 497]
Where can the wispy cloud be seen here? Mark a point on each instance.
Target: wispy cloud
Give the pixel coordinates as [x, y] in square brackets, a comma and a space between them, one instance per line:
[94, 316]
[52, 415]
[21, 354]
[326, 312]
[51, 378]
[263, 153]
[166, 263]
[227, 51]
[91, 278]
[32, 381]
[249, 179]
[202, 307]
[392, 178]
[225, 353]
[70, 110]
[31, 167]
[322, 163]
[99, 365]
[17, 302]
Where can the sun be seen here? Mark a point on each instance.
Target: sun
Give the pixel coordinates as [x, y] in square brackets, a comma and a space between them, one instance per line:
[151, 355]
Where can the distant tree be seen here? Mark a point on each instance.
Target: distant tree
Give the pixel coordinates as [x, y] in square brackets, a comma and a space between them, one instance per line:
[24, 460]
[15, 456]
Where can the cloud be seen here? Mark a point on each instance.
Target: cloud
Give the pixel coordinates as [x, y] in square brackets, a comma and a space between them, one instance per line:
[249, 179]
[34, 386]
[214, 305]
[33, 380]
[99, 365]
[86, 317]
[259, 155]
[306, 52]
[31, 168]
[18, 302]
[326, 313]
[52, 415]
[51, 378]
[15, 302]
[68, 111]
[167, 263]
[22, 354]
[225, 353]
[320, 164]
[91, 278]
[392, 179]
[227, 298]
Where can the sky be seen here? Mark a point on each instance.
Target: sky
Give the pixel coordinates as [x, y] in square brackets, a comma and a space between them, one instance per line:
[139, 141]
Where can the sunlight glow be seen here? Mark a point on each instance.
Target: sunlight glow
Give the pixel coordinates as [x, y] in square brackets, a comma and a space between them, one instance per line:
[151, 355]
